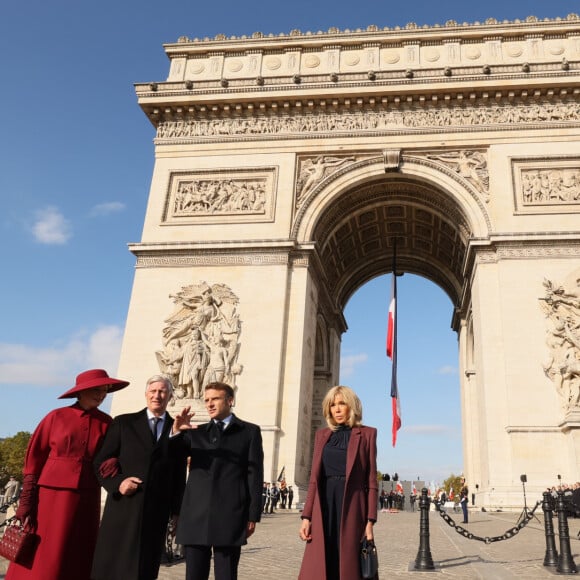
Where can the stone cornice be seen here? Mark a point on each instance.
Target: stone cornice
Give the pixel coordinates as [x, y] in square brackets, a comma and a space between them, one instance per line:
[254, 253]
[450, 30]
[203, 246]
[522, 245]
[252, 75]
[174, 100]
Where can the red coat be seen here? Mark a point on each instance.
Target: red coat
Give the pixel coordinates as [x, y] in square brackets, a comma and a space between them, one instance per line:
[60, 455]
[359, 504]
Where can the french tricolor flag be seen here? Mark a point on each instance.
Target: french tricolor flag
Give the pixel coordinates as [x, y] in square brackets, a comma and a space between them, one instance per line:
[392, 354]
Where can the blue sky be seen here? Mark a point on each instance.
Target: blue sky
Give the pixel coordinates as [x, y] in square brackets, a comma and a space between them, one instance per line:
[76, 158]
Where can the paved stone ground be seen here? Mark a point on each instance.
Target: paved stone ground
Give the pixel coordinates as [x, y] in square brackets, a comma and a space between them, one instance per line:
[275, 550]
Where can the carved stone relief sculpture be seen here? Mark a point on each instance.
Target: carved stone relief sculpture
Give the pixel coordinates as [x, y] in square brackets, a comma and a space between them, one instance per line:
[555, 186]
[242, 194]
[201, 339]
[470, 165]
[312, 170]
[204, 196]
[475, 116]
[561, 305]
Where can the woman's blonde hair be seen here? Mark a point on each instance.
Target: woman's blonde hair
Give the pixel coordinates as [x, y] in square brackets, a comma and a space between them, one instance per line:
[350, 398]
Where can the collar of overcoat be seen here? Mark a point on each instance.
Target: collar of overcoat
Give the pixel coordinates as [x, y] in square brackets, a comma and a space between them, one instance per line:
[144, 426]
[234, 423]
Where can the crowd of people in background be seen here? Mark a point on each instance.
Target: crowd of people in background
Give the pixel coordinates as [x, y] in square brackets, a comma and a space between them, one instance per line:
[571, 497]
[394, 499]
[272, 495]
[459, 501]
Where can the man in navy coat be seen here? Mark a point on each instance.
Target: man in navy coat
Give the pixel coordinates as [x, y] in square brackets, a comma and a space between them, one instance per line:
[223, 497]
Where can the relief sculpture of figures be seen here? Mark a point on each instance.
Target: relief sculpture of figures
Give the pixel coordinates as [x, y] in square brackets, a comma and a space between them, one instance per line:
[476, 117]
[211, 196]
[550, 186]
[314, 171]
[201, 339]
[561, 305]
[471, 165]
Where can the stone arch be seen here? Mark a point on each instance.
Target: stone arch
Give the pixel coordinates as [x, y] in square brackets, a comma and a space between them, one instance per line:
[430, 210]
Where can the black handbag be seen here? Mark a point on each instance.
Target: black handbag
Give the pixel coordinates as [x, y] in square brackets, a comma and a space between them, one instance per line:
[369, 559]
[18, 544]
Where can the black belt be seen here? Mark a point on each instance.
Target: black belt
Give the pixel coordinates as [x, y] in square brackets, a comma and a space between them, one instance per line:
[336, 477]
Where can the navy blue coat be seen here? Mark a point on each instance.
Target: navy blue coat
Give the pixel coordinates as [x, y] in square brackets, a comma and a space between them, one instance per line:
[224, 487]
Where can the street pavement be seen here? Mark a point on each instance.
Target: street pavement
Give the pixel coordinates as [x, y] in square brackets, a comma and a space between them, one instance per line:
[275, 550]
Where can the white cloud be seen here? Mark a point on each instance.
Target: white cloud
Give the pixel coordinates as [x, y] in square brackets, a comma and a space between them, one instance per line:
[447, 370]
[51, 227]
[349, 362]
[21, 364]
[107, 208]
[104, 348]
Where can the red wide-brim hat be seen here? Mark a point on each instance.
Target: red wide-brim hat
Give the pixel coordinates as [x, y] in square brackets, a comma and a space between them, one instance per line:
[94, 378]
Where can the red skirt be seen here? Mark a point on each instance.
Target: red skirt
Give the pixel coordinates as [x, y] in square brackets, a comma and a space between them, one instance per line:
[68, 523]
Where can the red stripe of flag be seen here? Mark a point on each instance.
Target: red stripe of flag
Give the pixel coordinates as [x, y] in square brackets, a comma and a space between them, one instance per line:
[392, 354]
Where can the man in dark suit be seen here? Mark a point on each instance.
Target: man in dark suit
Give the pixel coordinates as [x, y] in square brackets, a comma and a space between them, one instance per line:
[223, 498]
[145, 478]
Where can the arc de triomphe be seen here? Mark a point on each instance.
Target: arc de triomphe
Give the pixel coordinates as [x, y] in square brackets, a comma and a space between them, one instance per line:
[285, 168]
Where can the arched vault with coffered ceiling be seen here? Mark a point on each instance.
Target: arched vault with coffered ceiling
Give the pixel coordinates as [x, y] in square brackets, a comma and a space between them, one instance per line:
[356, 215]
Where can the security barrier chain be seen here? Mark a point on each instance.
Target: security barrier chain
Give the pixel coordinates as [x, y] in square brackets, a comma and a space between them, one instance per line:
[507, 535]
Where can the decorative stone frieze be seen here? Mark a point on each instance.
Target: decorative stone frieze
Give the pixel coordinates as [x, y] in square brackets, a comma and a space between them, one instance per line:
[375, 119]
[168, 259]
[546, 185]
[225, 194]
[533, 250]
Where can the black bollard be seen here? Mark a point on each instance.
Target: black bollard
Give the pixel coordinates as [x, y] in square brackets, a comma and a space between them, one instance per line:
[551, 557]
[424, 561]
[566, 563]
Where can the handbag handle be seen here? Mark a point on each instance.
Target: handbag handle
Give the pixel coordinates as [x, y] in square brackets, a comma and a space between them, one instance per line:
[27, 525]
[367, 545]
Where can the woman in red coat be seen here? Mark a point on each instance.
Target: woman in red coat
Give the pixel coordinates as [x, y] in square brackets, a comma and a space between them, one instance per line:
[60, 493]
[341, 505]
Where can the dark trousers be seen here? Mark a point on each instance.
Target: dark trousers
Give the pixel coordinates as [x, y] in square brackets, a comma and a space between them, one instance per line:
[464, 508]
[225, 562]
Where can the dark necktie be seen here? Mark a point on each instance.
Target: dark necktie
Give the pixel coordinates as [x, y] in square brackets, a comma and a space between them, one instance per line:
[221, 426]
[154, 423]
